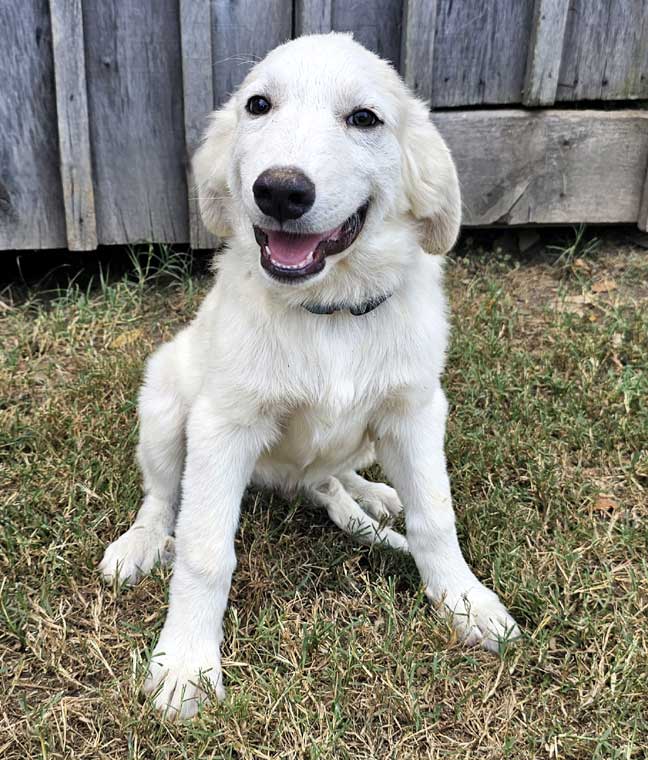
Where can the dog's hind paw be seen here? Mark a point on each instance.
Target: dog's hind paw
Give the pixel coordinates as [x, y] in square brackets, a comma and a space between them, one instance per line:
[377, 499]
[380, 500]
[134, 553]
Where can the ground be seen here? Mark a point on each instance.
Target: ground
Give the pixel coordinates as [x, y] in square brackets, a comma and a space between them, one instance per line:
[330, 649]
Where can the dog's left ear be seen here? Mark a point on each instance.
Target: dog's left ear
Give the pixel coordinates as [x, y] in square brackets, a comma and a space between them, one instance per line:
[430, 180]
[210, 166]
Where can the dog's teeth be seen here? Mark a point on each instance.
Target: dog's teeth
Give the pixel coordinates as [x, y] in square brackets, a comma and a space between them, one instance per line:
[281, 265]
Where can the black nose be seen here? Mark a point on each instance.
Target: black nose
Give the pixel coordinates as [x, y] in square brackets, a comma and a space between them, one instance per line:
[283, 192]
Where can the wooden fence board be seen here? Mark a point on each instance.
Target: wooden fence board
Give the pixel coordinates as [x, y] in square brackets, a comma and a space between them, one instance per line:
[548, 167]
[198, 88]
[153, 69]
[643, 206]
[377, 24]
[31, 200]
[242, 33]
[606, 51]
[313, 16]
[417, 48]
[545, 52]
[134, 78]
[73, 129]
[480, 51]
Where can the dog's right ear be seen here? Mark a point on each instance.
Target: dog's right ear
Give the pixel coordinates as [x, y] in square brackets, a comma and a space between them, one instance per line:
[430, 180]
[210, 166]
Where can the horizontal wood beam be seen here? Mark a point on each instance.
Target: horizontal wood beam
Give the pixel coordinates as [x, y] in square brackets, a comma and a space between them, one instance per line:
[549, 166]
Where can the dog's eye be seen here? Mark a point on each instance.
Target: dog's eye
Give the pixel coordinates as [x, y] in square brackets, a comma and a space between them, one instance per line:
[363, 118]
[257, 105]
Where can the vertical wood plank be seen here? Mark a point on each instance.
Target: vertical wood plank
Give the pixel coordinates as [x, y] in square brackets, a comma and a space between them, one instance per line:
[376, 24]
[606, 51]
[313, 17]
[31, 199]
[134, 76]
[643, 206]
[198, 88]
[242, 34]
[417, 47]
[480, 51]
[73, 126]
[545, 52]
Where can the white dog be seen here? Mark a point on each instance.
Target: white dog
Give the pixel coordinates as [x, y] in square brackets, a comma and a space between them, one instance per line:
[319, 348]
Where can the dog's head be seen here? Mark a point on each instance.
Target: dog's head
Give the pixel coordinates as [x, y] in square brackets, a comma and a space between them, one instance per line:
[321, 146]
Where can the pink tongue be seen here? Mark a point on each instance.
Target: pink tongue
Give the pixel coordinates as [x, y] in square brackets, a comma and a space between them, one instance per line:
[291, 249]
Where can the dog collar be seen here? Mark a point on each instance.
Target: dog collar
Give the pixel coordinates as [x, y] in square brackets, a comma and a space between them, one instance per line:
[364, 308]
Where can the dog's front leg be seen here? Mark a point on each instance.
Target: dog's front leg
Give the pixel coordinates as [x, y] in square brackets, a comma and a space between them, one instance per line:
[410, 449]
[221, 456]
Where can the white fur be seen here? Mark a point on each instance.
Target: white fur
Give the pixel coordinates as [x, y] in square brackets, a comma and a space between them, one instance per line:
[262, 390]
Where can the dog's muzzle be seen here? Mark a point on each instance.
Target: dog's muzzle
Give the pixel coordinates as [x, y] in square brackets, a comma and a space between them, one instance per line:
[289, 256]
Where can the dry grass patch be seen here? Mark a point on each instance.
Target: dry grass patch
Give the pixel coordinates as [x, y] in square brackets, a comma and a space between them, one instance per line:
[330, 649]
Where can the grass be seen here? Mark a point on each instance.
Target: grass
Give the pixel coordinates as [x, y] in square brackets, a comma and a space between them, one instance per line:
[330, 649]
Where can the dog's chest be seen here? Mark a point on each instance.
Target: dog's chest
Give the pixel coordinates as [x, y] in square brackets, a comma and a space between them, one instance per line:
[326, 434]
[333, 390]
[329, 426]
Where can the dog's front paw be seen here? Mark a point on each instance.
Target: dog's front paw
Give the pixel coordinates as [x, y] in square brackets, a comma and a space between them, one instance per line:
[134, 553]
[181, 677]
[480, 618]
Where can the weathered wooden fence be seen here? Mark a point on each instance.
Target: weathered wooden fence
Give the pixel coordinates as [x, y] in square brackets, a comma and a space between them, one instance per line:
[102, 101]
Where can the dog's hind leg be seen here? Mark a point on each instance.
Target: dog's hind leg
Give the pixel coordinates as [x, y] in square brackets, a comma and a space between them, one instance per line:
[160, 454]
[379, 499]
[347, 514]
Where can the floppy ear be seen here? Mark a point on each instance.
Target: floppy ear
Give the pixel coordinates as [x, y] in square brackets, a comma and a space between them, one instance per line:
[210, 167]
[430, 180]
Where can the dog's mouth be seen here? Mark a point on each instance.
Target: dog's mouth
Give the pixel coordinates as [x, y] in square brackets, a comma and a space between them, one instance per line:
[289, 256]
